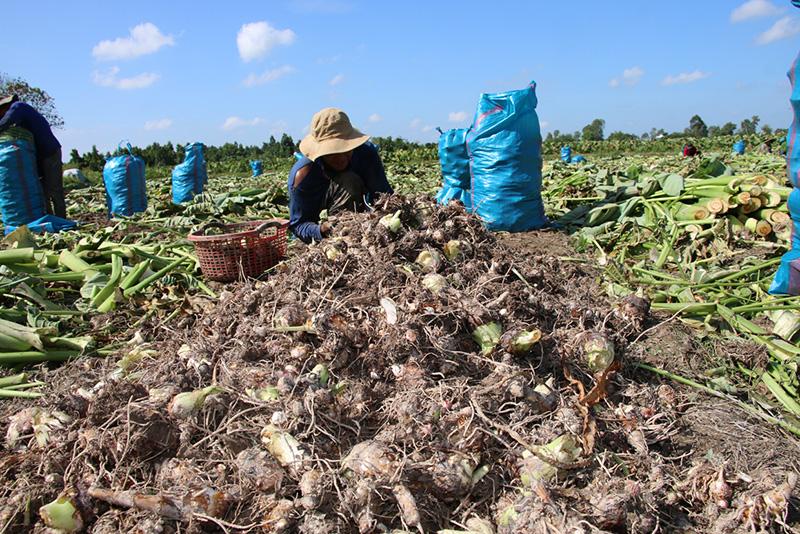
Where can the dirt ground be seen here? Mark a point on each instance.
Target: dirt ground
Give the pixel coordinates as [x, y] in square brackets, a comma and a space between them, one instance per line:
[713, 426]
[412, 374]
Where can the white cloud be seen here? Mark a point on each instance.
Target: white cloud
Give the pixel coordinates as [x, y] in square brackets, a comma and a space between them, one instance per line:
[375, 118]
[144, 39]
[685, 77]
[630, 76]
[544, 124]
[256, 39]
[110, 79]
[783, 29]
[232, 123]
[427, 128]
[416, 123]
[160, 124]
[336, 80]
[457, 116]
[753, 9]
[268, 76]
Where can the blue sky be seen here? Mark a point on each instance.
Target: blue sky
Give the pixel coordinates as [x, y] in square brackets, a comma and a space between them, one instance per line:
[243, 70]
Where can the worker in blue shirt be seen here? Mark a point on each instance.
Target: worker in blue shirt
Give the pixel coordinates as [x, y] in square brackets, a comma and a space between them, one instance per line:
[340, 171]
[48, 149]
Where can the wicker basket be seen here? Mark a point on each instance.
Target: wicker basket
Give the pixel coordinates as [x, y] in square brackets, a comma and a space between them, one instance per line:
[243, 250]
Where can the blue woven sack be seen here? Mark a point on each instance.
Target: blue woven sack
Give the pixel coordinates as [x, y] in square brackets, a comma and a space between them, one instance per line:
[505, 156]
[189, 178]
[123, 177]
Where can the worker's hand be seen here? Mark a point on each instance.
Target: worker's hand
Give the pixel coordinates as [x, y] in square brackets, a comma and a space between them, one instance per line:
[325, 229]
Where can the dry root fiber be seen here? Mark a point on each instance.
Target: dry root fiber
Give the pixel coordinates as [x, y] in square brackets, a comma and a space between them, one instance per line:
[411, 375]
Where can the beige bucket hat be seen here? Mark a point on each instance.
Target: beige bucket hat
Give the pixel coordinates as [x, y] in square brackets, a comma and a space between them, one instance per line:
[7, 99]
[330, 133]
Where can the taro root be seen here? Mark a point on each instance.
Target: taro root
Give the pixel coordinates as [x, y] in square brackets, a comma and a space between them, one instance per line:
[259, 469]
[370, 458]
[62, 515]
[280, 517]
[435, 283]
[290, 315]
[519, 341]
[320, 374]
[407, 505]
[40, 421]
[311, 488]
[563, 450]
[284, 448]
[455, 250]
[598, 351]
[265, 394]
[487, 336]
[185, 404]
[392, 222]
[634, 308]
[430, 260]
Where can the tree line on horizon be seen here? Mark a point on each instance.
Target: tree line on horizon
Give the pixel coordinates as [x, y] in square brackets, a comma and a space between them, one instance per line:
[594, 131]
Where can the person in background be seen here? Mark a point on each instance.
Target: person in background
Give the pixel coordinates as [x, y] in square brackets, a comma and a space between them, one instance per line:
[48, 149]
[689, 150]
[339, 171]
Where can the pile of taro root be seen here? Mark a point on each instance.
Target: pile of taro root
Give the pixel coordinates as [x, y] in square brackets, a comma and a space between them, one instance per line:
[409, 374]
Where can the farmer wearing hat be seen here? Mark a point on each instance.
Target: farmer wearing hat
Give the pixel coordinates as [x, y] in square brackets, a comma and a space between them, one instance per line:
[339, 171]
[48, 149]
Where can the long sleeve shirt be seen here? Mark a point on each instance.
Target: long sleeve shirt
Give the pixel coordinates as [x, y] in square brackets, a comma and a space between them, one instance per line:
[307, 200]
[25, 116]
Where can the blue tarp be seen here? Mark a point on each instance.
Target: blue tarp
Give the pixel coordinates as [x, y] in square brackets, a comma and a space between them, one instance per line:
[505, 155]
[21, 196]
[566, 154]
[123, 177]
[189, 178]
[256, 167]
[577, 159]
[787, 278]
[455, 167]
[47, 223]
[738, 147]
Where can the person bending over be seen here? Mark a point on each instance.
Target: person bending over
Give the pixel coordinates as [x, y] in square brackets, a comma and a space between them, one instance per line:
[340, 170]
[48, 150]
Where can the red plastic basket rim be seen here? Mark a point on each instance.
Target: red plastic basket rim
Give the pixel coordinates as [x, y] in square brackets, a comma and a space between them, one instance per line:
[195, 237]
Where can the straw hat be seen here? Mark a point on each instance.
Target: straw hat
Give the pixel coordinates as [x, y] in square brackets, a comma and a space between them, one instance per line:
[7, 99]
[330, 133]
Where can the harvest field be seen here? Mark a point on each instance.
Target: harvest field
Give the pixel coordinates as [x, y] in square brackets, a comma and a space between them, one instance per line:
[625, 371]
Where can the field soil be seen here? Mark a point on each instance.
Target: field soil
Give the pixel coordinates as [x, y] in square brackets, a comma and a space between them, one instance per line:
[411, 374]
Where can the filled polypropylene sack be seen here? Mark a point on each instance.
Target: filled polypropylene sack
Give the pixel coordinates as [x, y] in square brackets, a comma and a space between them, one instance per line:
[455, 167]
[256, 167]
[21, 196]
[787, 278]
[577, 158]
[505, 155]
[566, 154]
[123, 177]
[189, 178]
[738, 147]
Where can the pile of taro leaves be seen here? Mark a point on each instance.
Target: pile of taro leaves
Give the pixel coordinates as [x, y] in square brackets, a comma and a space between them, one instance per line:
[409, 374]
